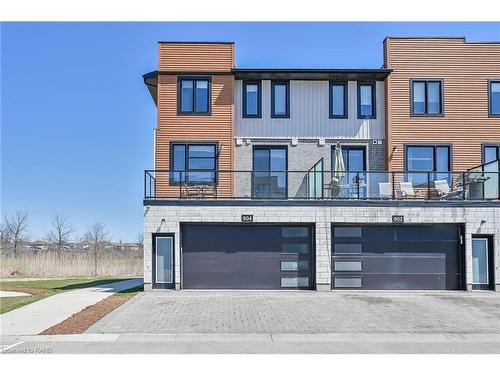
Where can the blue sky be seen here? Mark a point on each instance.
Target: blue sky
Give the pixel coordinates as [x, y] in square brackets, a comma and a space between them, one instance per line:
[77, 121]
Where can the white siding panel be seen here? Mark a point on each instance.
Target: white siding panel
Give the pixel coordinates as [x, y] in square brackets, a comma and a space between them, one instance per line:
[309, 114]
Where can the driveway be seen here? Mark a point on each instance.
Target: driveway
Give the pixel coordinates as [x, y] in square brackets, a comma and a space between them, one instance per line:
[296, 312]
[286, 322]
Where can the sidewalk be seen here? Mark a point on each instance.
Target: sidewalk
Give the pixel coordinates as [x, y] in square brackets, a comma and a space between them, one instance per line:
[38, 316]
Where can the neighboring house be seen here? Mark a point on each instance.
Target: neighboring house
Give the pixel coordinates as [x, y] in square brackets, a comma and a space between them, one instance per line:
[325, 178]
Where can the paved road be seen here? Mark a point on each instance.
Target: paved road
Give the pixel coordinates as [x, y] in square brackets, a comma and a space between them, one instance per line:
[38, 316]
[305, 312]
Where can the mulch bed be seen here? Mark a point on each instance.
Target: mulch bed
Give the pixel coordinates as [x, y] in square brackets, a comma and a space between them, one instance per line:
[80, 322]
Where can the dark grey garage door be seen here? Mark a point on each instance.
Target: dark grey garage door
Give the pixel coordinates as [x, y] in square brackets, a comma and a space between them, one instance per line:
[397, 257]
[246, 256]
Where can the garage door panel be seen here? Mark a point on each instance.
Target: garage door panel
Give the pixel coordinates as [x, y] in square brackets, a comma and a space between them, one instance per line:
[246, 256]
[398, 263]
[209, 270]
[398, 257]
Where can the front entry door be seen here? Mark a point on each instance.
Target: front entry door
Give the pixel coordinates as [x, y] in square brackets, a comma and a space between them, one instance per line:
[163, 261]
[482, 254]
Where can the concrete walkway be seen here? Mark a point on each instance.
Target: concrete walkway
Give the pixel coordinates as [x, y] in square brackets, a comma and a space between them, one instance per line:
[38, 316]
[5, 293]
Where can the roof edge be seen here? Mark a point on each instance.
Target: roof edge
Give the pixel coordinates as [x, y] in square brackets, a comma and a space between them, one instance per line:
[191, 42]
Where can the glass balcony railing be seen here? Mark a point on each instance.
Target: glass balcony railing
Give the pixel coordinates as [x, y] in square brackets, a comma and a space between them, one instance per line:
[481, 183]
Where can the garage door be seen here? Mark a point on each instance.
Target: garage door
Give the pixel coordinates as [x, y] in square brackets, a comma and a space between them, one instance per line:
[247, 256]
[397, 257]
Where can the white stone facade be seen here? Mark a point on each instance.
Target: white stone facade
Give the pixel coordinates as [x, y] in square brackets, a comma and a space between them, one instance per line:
[166, 217]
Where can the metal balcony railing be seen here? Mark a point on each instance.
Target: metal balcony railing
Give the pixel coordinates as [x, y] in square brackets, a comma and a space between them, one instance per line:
[315, 184]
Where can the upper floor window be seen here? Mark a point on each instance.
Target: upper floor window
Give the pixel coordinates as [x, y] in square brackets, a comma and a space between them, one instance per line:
[422, 159]
[338, 99]
[494, 98]
[194, 95]
[366, 100]
[251, 99]
[193, 163]
[280, 99]
[426, 97]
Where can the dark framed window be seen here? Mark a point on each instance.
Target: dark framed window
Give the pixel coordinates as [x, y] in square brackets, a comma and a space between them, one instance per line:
[193, 163]
[338, 99]
[252, 99]
[193, 95]
[494, 98]
[355, 165]
[422, 159]
[269, 176]
[426, 97]
[366, 100]
[491, 153]
[280, 99]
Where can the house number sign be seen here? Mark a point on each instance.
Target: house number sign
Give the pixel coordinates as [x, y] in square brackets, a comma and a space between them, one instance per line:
[246, 218]
[398, 219]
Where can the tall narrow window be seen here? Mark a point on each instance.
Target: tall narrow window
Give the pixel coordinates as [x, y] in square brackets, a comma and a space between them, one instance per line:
[269, 172]
[366, 100]
[426, 97]
[280, 99]
[194, 96]
[252, 99]
[338, 99]
[494, 98]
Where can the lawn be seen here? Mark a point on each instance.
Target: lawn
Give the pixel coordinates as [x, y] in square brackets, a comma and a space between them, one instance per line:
[45, 288]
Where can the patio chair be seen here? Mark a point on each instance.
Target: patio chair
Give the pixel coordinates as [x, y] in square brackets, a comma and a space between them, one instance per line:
[407, 190]
[385, 189]
[444, 190]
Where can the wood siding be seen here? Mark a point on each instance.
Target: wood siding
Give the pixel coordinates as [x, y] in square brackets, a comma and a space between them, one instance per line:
[211, 57]
[216, 127]
[309, 114]
[465, 69]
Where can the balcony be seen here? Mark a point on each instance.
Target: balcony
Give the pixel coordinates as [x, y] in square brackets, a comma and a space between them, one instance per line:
[478, 184]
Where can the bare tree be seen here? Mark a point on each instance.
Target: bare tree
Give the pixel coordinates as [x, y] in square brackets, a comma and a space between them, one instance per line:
[140, 238]
[4, 236]
[16, 229]
[96, 237]
[61, 231]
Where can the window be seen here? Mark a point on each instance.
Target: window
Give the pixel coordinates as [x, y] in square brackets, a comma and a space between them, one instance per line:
[194, 96]
[426, 98]
[251, 99]
[193, 163]
[494, 98]
[269, 172]
[338, 99]
[280, 99]
[366, 100]
[424, 159]
[491, 153]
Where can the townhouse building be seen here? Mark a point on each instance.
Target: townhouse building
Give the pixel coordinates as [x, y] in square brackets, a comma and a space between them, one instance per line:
[325, 179]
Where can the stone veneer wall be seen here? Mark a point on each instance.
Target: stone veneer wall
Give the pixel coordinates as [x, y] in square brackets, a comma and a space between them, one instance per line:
[322, 215]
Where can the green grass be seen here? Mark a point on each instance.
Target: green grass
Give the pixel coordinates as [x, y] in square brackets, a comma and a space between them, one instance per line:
[44, 288]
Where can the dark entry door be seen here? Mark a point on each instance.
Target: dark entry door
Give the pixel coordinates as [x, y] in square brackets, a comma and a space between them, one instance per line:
[397, 257]
[247, 256]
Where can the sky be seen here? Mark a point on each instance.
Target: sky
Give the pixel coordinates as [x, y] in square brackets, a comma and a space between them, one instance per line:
[77, 120]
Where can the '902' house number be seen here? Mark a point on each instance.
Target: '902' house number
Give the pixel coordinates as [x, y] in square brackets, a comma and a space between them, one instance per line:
[246, 218]
[398, 219]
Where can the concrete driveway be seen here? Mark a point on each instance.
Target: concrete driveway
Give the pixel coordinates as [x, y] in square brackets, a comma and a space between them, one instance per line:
[296, 312]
